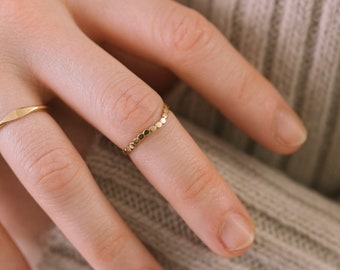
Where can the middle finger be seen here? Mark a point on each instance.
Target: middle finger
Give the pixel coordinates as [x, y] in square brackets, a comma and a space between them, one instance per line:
[182, 40]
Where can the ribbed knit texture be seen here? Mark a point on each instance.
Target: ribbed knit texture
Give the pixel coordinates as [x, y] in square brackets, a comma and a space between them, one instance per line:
[296, 228]
[296, 45]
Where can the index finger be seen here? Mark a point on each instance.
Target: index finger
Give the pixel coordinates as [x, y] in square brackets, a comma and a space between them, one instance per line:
[184, 41]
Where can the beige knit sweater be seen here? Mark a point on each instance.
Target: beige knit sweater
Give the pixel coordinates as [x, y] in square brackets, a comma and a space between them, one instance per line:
[296, 45]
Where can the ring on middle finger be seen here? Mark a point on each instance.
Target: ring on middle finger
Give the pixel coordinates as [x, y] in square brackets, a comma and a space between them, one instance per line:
[147, 132]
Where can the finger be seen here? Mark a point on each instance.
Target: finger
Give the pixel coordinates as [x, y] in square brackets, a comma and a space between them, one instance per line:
[182, 40]
[10, 256]
[58, 179]
[120, 105]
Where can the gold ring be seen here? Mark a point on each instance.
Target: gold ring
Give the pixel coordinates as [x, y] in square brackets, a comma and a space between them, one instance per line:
[141, 136]
[20, 113]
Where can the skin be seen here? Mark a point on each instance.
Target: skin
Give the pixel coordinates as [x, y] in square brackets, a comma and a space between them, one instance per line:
[69, 50]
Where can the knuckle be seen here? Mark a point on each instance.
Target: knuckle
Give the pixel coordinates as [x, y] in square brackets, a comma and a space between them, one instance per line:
[29, 20]
[52, 170]
[19, 17]
[200, 180]
[9, 8]
[133, 106]
[185, 31]
[15, 13]
[107, 248]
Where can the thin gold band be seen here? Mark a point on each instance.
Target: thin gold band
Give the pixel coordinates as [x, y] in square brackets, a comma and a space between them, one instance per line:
[20, 113]
[141, 136]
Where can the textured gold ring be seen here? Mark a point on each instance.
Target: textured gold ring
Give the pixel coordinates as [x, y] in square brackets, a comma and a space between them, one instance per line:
[147, 132]
[20, 113]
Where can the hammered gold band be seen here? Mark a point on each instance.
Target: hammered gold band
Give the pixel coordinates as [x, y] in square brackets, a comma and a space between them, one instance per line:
[20, 113]
[141, 136]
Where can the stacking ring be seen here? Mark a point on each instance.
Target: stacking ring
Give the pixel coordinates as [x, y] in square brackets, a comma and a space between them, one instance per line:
[20, 113]
[141, 136]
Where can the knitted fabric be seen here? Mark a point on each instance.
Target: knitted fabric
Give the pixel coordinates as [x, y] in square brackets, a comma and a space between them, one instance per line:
[296, 228]
[296, 45]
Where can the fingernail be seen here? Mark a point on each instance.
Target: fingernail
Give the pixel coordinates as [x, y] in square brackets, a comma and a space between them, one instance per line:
[237, 232]
[288, 128]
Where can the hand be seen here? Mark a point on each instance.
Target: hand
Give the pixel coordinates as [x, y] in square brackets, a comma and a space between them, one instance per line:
[55, 45]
